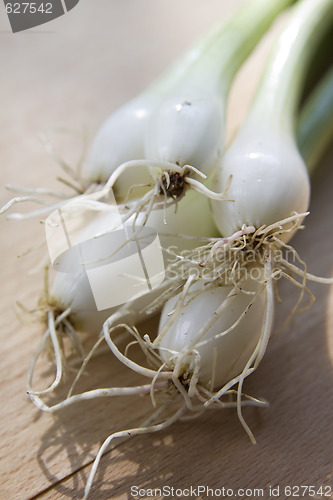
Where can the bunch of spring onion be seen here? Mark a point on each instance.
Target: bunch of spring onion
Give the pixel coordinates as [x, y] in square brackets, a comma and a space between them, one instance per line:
[177, 127]
[69, 306]
[215, 332]
[270, 195]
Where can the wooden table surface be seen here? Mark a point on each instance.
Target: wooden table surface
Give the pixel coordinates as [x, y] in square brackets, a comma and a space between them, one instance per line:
[60, 79]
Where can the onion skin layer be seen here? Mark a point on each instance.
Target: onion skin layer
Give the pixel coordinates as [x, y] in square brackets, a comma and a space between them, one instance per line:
[232, 350]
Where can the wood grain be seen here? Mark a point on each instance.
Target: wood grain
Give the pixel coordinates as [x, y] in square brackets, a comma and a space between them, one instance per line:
[71, 74]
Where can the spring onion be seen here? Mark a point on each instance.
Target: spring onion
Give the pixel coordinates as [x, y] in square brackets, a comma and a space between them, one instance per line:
[193, 107]
[69, 306]
[184, 133]
[269, 177]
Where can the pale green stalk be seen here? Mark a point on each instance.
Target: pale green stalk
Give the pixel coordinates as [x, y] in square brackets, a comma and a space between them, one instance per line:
[279, 93]
[222, 51]
[231, 43]
[315, 123]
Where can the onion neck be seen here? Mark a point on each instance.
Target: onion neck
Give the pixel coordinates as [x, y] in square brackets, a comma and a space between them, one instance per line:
[232, 43]
[279, 92]
[315, 124]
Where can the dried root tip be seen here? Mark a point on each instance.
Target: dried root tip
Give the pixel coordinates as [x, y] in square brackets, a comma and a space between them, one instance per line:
[173, 184]
[78, 185]
[172, 179]
[202, 189]
[42, 191]
[23, 199]
[51, 334]
[59, 330]
[225, 242]
[93, 394]
[129, 433]
[74, 173]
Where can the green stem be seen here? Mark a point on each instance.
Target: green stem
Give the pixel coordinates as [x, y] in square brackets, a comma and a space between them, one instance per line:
[179, 68]
[315, 123]
[216, 58]
[236, 40]
[280, 89]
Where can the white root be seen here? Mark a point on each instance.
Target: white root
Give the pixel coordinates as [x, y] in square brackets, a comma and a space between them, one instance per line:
[308, 276]
[95, 393]
[107, 329]
[21, 199]
[202, 189]
[83, 366]
[227, 303]
[59, 160]
[129, 432]
[43, 191]
[172, 379]
[257, 354]
[195, 396]
[52, 333]
[140, 163]
[254, 359]
[246, 399]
